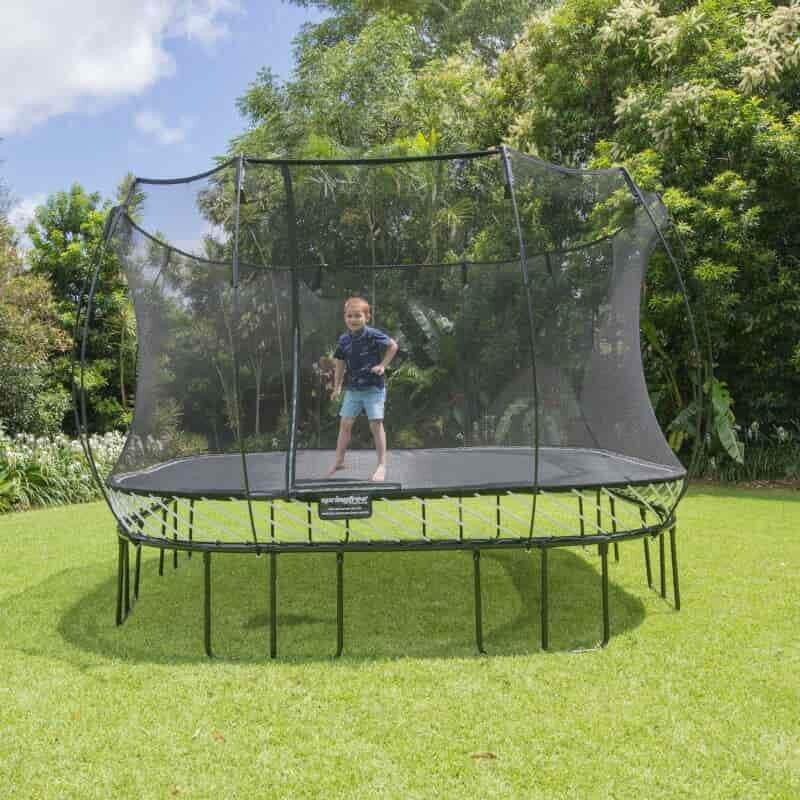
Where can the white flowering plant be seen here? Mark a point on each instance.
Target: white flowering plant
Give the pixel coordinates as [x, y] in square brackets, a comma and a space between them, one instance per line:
[52, 470]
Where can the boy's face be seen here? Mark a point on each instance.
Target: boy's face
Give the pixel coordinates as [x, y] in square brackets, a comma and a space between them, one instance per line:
[355, 318]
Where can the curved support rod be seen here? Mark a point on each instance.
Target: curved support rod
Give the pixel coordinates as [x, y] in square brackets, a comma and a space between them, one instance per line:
[698, 389]
[83, 431]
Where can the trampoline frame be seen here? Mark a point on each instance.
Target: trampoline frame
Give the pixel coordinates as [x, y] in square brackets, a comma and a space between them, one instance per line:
[126, 598]
[130, 531]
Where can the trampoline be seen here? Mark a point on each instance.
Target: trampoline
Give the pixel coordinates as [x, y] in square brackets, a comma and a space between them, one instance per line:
[517, 413]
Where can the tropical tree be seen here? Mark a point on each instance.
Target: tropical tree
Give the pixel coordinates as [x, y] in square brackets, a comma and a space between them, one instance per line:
[484, 27]
[31, 399]
[66, 234]
[700, 102]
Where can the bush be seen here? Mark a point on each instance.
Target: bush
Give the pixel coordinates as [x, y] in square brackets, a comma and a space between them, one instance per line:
[52, 470]
[31, 401]
[768, 455]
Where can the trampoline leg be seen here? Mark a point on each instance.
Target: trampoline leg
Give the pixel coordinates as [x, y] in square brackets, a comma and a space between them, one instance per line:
[273, 605]
[120, 565]
[646, 544]
[674, 557]
[137, 572]
[127, 575]
[163, 536]
[544, 601]
[175, 533]
[613, 509]
[339, 603]
[476, 562]
[661, 564]
[191, 525]
[207, 603]
[604, 582]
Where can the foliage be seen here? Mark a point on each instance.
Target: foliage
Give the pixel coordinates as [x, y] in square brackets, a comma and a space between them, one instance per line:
[699, 102]
[722, 438]
[368, 91]
[51, 470]
[771, 453]
[10, 258]
[485, 27]
[66, 234]
[30, 397]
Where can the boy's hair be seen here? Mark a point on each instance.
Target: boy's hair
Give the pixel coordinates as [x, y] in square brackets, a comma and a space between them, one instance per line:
[357, 301]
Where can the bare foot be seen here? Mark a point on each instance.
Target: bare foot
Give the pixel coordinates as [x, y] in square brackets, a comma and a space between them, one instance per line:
[335, 468]
[379, 474]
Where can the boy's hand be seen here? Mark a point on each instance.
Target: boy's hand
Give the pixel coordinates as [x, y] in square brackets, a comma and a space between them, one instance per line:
[378, 369]
[335, 392]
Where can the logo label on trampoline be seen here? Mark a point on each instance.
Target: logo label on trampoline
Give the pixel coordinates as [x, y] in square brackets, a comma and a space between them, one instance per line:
[345, 506]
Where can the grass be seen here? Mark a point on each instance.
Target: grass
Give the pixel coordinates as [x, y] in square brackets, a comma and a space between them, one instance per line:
[702, 703]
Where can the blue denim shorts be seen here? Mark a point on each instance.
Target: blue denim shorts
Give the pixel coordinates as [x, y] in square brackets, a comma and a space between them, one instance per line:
[371, 400]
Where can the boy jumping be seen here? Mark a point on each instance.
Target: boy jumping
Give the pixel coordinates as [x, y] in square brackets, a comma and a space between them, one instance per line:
[362, 355]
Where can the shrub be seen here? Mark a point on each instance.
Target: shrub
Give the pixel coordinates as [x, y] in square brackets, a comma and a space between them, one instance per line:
[52, 470]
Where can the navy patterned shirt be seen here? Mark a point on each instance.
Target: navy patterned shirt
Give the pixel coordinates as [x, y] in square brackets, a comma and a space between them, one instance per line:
[361, 352]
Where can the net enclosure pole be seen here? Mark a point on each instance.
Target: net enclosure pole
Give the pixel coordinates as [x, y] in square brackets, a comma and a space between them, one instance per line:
[291, 455]
[509, 175]
[112, 220]
[237, 320]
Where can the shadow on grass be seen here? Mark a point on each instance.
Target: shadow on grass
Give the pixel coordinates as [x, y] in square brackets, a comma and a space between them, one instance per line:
[396, 604]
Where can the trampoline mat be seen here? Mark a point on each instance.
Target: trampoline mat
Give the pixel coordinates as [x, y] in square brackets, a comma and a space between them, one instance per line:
[453, 470]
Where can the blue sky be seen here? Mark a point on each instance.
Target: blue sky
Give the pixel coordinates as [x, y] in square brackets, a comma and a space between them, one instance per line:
[89, 92]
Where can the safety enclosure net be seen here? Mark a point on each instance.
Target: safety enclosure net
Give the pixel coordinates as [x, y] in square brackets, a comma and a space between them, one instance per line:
[511, 287]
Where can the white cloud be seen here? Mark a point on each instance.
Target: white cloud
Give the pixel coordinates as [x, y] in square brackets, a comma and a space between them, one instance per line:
[198, 20]
[60, 57]
[151, 123]
[21, 213]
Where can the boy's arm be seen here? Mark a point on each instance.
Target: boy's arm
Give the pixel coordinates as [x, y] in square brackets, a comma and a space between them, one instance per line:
[389, 354]
[338, 376]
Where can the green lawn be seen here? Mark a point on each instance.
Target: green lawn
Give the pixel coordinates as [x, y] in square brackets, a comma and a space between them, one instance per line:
[701, 703]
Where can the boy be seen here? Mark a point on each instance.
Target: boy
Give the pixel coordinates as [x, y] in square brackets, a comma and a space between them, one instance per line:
[362, 355]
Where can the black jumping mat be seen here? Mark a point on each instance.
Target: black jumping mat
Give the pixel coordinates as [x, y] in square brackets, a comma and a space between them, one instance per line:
[418, 472]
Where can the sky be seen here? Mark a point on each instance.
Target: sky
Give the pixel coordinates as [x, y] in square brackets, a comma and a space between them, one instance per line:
[90, 91]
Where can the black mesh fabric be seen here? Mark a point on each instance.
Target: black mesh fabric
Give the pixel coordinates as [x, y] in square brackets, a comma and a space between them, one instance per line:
[514, 303]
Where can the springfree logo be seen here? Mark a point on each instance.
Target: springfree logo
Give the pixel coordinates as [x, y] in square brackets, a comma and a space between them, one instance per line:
[345, 506]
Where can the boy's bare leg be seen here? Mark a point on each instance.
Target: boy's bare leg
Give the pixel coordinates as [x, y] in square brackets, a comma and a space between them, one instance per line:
[379, 435]
[345, 429]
